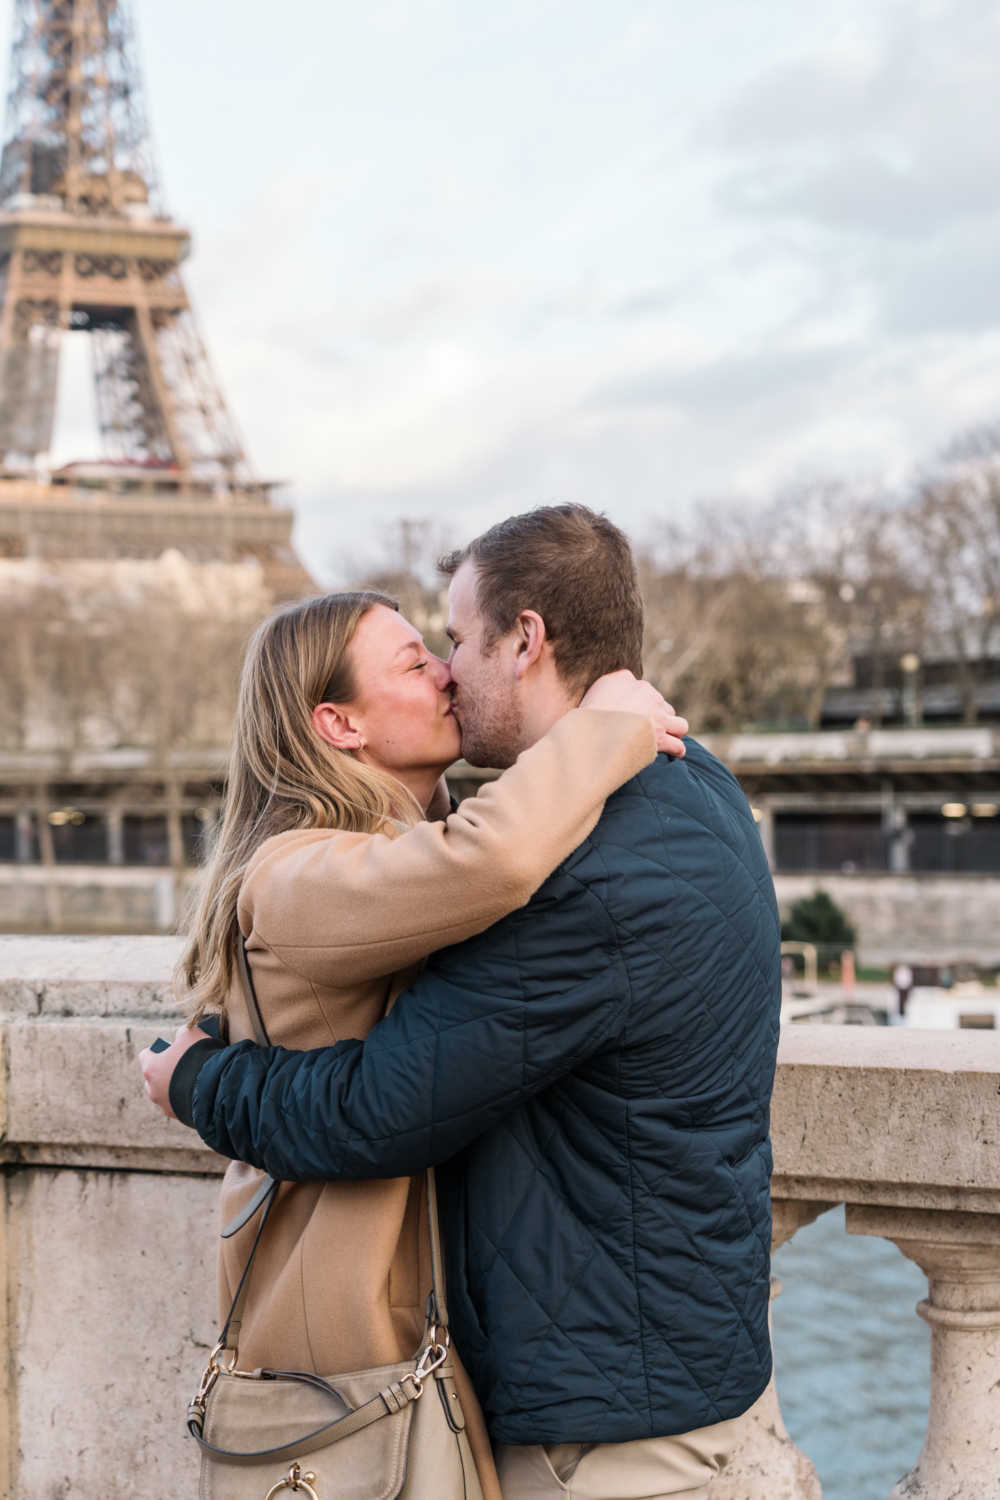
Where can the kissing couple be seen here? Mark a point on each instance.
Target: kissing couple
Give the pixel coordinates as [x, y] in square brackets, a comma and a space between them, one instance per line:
[561, 994]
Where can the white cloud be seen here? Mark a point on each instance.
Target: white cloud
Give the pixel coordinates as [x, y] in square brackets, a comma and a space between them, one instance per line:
[892, 130]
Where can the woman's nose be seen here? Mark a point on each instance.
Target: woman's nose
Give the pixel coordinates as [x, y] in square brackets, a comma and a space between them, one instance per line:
[442, 675]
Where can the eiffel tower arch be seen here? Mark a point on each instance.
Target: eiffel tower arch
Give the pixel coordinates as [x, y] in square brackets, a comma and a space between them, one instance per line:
[86, 244]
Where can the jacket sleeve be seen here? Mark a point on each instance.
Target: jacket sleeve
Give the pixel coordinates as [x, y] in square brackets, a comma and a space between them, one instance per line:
[486, 1025]
[341, 908]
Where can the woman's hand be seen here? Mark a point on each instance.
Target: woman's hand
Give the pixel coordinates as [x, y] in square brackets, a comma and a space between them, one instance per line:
[158, 1067]
[620, 692]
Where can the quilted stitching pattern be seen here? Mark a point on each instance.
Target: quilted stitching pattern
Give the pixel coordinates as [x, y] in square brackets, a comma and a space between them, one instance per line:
[612, 1233]
[592, 1076]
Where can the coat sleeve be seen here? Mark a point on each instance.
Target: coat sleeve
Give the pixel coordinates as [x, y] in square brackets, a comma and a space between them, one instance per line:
[342, 908]
[488, 1023]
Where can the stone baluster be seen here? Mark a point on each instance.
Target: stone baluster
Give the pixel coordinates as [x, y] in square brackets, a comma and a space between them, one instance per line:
[960, 1255]
[116, 835]
[767, 1465]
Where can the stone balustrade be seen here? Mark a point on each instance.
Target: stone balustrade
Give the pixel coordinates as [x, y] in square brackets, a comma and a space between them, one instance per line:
[109, 1222]
[903, 1127]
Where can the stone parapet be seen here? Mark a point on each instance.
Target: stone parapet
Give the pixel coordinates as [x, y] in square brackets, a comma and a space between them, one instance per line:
[888, 1115]
[94, 977]
[108, 1227]
[109, 1218]
[74, 1015]
[901, 1126]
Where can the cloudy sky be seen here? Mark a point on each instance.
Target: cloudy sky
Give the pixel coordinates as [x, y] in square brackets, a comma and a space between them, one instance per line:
[453, 259]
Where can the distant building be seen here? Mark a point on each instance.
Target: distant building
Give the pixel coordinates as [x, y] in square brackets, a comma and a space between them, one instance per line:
[888, 800]
[900, 826]
[885, 695]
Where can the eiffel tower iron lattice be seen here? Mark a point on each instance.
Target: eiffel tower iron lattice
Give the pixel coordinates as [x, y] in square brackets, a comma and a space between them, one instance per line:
[84, 244]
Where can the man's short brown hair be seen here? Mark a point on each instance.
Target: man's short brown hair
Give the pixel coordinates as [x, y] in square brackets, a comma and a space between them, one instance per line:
[574, 568]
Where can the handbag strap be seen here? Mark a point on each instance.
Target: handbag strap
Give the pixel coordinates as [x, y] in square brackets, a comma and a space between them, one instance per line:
[229, 1339]
[393, 1398]
[260, 1035]
[396, 1396]
[269, 1185]
[264, 1197]
[438, 1314]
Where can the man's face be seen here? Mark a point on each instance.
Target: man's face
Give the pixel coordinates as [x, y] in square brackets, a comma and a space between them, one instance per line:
[487, 702]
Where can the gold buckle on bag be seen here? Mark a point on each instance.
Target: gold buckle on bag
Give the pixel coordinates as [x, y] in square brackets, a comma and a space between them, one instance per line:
[294, 1480]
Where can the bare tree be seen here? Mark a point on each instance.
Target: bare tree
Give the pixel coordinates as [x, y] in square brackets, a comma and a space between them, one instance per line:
[735, 629]
[872, 601]
[954, 534]
[404, 565]
[139, 653]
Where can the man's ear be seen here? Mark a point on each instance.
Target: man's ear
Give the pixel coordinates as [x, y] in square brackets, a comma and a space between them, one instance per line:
[529, 640]
[337, 727]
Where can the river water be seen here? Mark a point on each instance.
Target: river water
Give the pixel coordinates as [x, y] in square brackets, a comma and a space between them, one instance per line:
[852, 1357]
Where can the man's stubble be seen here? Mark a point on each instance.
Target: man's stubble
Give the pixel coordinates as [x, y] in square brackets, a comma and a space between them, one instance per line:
[491, 719]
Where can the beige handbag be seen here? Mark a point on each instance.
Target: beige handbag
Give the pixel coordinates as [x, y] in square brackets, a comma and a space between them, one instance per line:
[395, 1431]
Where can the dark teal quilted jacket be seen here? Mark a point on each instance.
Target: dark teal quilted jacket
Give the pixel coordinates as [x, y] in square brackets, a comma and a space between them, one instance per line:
[592, 1076]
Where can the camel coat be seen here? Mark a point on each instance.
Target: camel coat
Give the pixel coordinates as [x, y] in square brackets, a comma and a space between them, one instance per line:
[337, 925]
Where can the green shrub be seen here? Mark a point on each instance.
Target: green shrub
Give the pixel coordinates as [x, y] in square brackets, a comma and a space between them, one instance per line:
[817, 919]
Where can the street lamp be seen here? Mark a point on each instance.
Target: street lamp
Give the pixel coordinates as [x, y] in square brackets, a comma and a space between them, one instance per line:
[910, 664]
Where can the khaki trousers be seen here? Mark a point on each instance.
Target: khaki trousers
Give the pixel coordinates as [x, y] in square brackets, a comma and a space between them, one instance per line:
[651, 1469]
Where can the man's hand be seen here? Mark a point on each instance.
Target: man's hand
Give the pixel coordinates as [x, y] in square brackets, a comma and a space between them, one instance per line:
[620, 692]
[158, 1067]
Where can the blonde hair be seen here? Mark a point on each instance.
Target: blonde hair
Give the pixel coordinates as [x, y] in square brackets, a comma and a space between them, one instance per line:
[282, 775]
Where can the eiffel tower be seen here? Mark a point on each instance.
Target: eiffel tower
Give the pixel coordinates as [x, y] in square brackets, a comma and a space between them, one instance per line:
[85, 244]
[129, 580]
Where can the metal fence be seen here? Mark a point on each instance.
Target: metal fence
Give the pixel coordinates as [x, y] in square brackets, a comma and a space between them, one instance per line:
[938, 845]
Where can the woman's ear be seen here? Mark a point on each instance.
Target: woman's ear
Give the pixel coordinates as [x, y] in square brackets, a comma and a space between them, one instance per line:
[337, 727]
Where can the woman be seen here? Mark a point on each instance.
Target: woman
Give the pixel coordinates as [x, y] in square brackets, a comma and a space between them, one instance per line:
[339, 863]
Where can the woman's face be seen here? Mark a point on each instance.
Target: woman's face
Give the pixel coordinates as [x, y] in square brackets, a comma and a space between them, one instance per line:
[402, 716]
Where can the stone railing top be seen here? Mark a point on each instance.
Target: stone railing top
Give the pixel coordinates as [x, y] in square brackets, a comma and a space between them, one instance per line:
[897, 1048]
[142, 762]
[74, 1014]
[88, 976]
[888, 1115]
[869, 1115]
[845, 745]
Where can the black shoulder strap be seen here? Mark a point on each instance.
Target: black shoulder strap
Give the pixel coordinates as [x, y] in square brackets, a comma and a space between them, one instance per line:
[260, 1035]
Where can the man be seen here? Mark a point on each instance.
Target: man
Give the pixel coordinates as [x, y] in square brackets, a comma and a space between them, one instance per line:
[591, 1076]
